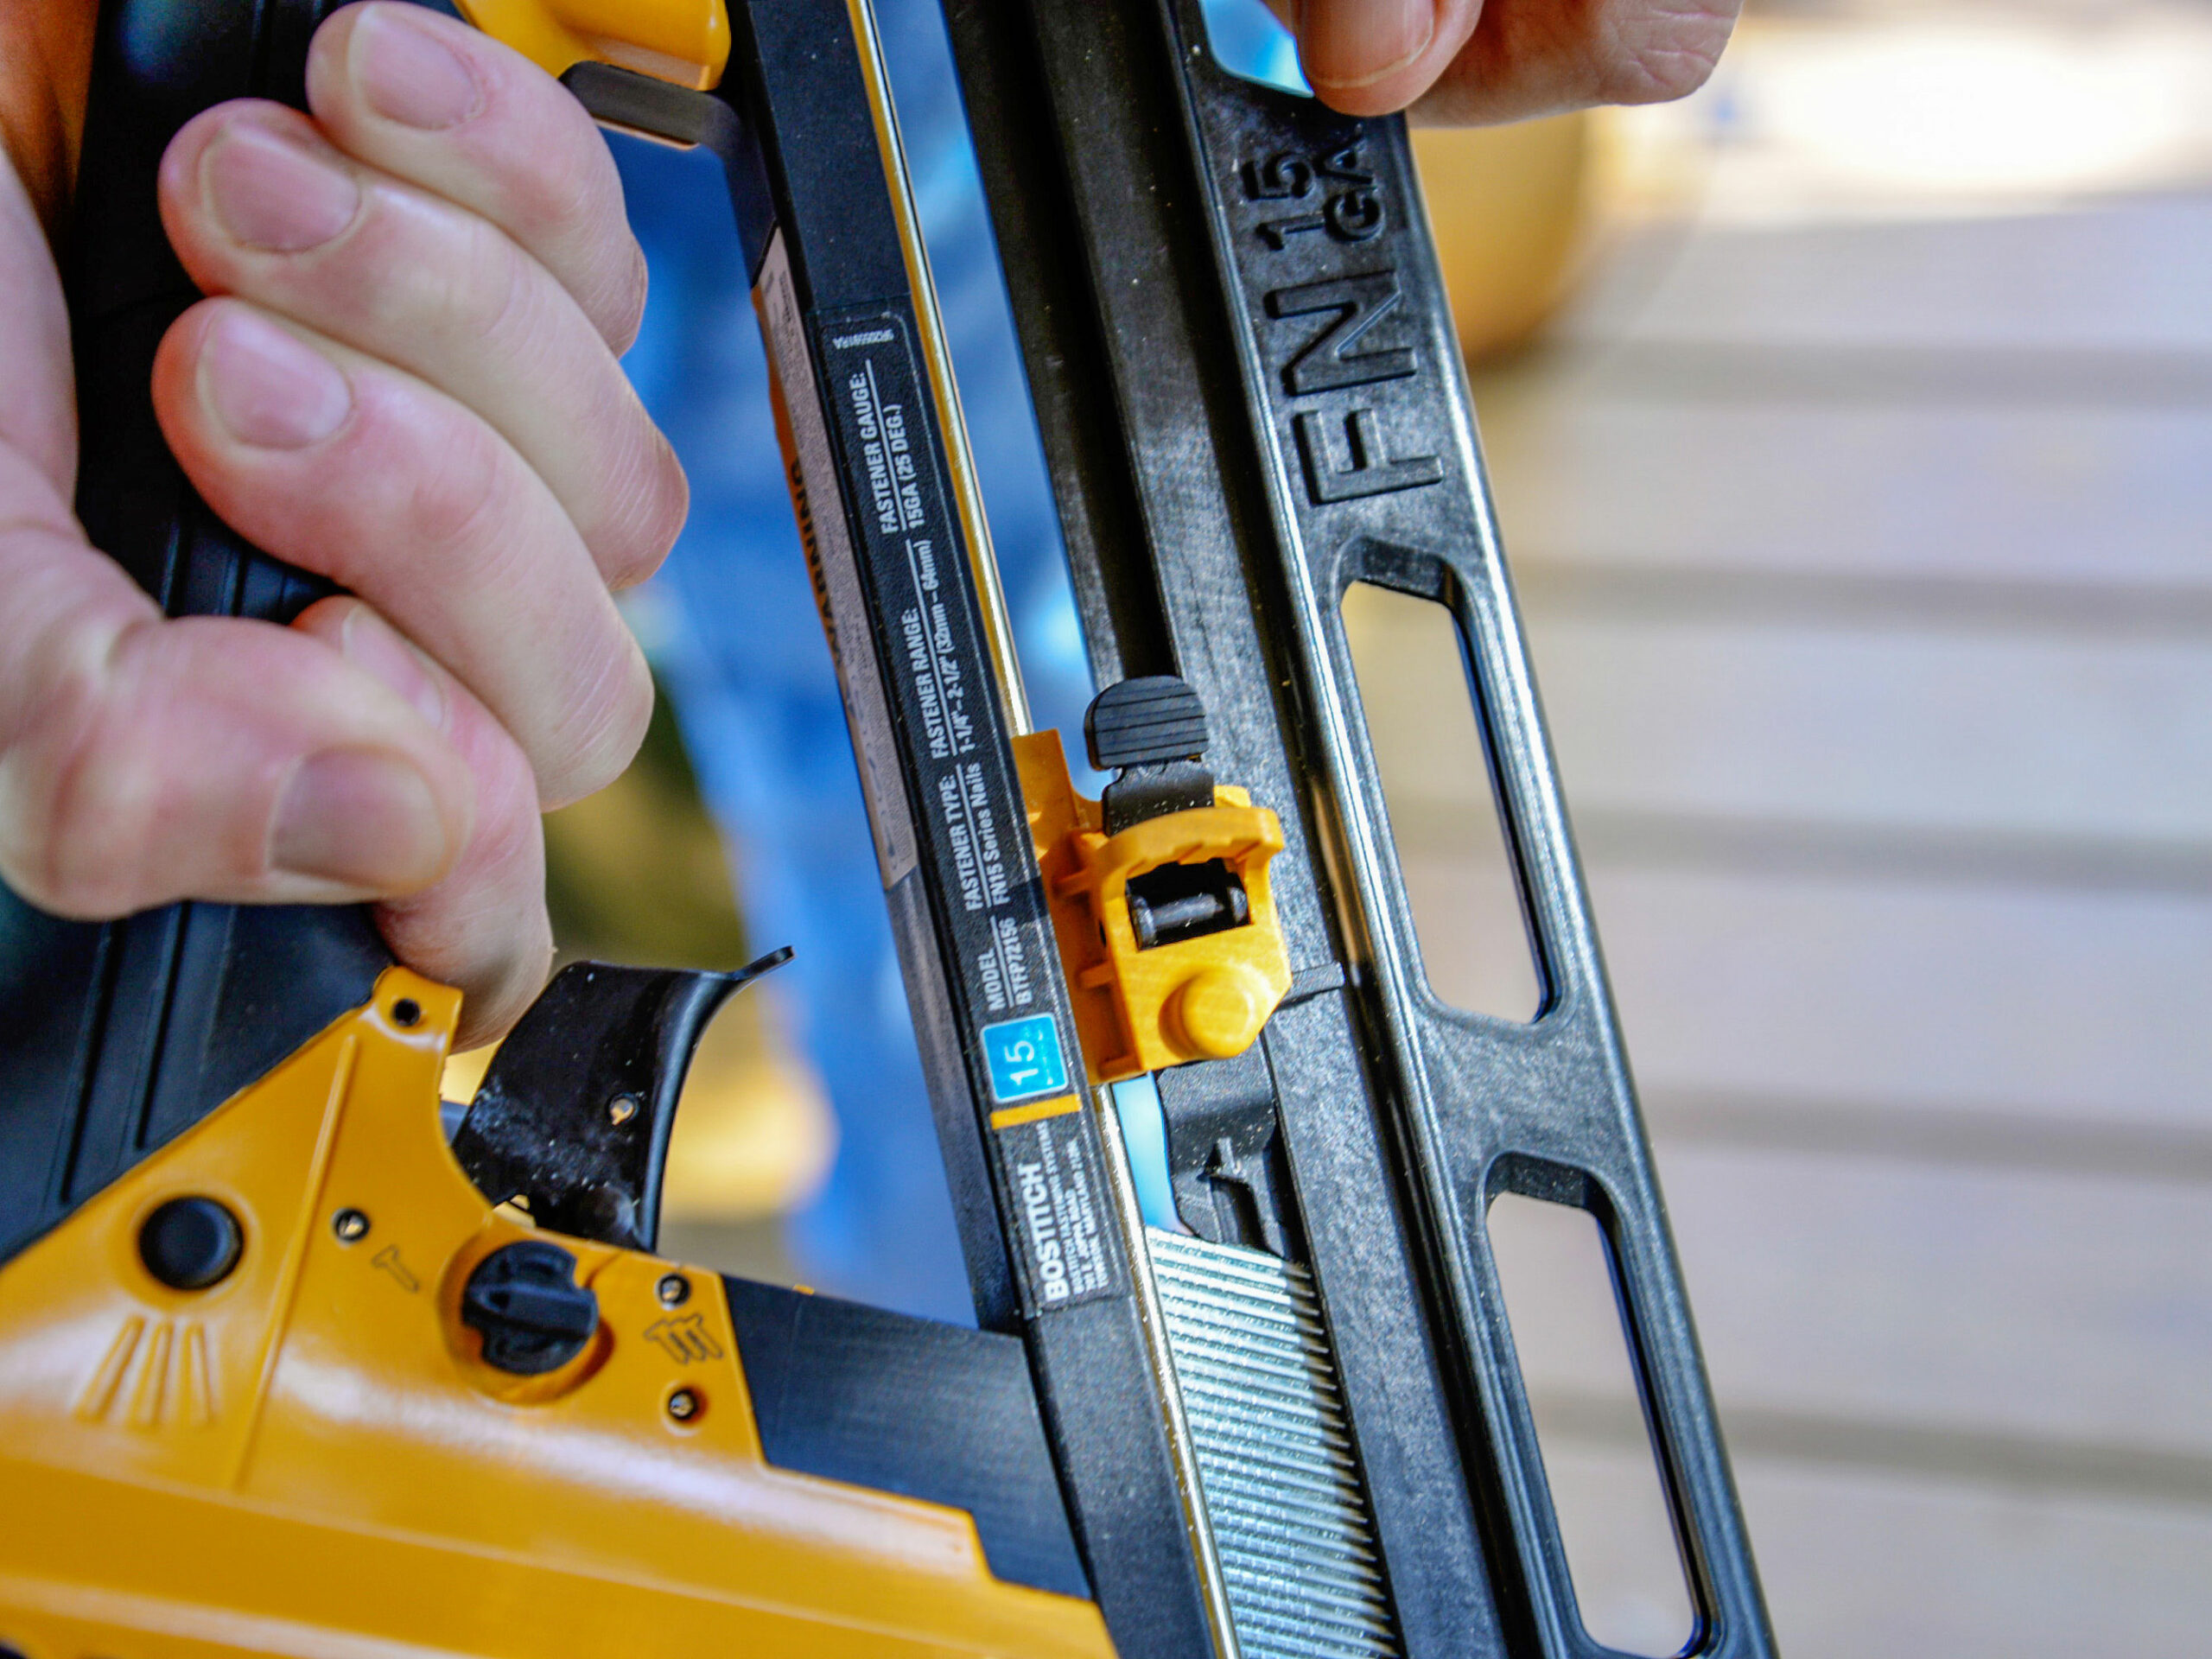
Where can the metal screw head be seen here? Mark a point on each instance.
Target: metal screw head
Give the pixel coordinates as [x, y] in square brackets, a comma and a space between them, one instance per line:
[349, 1224]
[621, 1109]
[674, 1290]
[685, 1404]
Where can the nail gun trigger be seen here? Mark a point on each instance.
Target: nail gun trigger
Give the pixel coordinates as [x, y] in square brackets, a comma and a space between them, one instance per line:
[574, 1113]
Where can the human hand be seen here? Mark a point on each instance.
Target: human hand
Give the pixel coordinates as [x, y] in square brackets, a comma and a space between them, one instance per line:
[1472, 62]
[405, 379]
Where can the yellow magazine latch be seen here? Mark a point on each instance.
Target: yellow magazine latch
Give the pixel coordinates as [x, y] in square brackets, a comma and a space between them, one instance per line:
[1158, 891]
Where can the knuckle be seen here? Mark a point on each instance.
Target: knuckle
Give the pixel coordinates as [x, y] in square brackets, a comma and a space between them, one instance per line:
[621, 312]
[501, 982]
[660, 503]
[51, 885]
[628, 710]
[671, 504]
[77, 801]
[607, 725]
[510, 835]
[448, 275]
[559, 193]
[566, 203]
[492, 293]
[35, 859]
[83, 872]
[461, 490]
[72, 819]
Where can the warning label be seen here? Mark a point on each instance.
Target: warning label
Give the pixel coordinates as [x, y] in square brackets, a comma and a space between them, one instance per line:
[968, 821]
[1058, 1200]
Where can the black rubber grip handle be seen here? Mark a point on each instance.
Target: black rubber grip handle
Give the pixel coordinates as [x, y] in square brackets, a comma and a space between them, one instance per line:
[158, 64]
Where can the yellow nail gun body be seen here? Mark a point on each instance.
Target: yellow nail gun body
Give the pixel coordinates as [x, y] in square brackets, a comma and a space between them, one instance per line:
[312, 1456]
[297, 1359]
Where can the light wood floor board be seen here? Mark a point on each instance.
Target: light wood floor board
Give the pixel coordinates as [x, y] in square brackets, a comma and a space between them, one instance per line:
[1859, 1565]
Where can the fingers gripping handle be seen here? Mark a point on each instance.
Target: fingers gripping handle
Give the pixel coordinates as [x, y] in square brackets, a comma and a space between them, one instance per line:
[116, 1037]
[158, 64]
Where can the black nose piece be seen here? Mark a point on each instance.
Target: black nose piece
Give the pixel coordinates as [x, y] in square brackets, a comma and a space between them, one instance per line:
[533, 1315]
[191, 1243]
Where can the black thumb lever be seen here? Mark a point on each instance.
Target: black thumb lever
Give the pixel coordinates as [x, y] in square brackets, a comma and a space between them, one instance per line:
[574, 1115]
[1153, 731]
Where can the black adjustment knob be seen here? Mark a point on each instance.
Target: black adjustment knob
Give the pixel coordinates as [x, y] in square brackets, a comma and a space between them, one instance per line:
[524, 1301]
[191, 1243]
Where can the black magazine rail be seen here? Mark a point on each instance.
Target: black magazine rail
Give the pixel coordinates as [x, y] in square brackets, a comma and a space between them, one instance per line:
[1251, 397]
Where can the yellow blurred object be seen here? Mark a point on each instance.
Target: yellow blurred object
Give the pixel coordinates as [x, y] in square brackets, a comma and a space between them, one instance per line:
[754, 1134]
[463, 1074]
[310, 1456]
[1509, 206]
[639, 873]
[685, 41]
[1139, 1009]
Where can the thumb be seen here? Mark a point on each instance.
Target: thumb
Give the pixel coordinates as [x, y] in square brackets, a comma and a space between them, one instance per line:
[1369, 57]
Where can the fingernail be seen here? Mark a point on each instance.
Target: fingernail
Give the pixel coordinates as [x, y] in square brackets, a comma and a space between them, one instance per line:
[269, 388]
[275, 194]
[372, 644]
[1351, 47]
[361, 818]
[410, 76]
